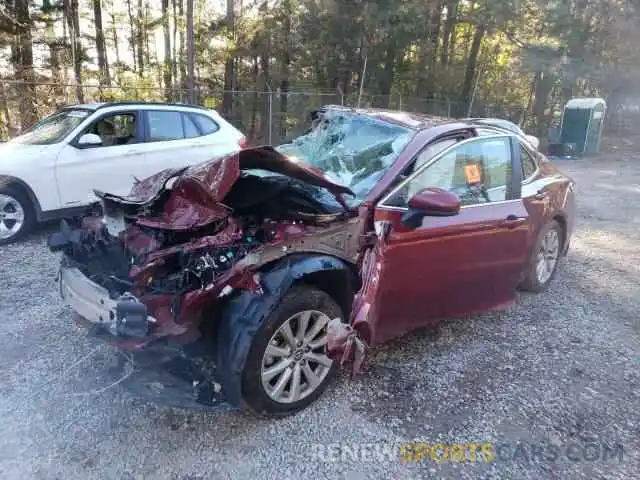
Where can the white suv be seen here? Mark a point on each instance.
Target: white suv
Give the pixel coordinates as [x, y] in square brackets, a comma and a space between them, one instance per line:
[51, 170]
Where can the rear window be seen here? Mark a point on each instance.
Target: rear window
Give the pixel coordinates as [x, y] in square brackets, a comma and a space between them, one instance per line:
[190, 128]
[206, 125]
[164, 126]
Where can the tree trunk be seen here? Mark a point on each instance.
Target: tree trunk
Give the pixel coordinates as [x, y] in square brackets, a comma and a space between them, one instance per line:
[73, 20]
[264, 64]
[114, 38]
[56, 72]
[386, 78]
[4, 108]
[286, 61]
[65, 58]
[448, 35]
[470, 72]
[543, 86]
[140, 37]
[151, 52]
[55, 49]
[254, 100]
[190, 53]
[105, 78]
[167, 50]
[183, 44]
[174, 51]
[132, 36]
[434, 37]
[229, 70]
[23, 58]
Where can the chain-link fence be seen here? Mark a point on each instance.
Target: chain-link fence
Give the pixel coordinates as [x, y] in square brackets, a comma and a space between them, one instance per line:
[266, 117]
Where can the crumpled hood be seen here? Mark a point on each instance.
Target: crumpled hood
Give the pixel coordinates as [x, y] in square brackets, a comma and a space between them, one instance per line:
[197, 194]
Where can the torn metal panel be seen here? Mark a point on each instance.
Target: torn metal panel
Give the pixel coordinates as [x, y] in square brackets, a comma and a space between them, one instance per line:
[345, 345]
[349, 343]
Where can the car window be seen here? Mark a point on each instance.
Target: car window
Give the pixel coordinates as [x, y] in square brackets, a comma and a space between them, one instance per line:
[477, 171]
[431, 151]
[190, 129]
[206, 125]
[529, 165]
[53, 128]
[115, 129]
[165, 126]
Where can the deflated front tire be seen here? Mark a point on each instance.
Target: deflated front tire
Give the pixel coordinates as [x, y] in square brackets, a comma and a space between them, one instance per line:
[287, 368]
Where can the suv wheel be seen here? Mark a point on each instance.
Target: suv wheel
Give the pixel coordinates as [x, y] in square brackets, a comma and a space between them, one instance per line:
[287, 368]
[16, 215]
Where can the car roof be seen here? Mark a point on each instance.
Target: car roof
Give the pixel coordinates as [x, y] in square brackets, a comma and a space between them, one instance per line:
[419, 121]
[498, 122]
[415, 121]
[99, 105]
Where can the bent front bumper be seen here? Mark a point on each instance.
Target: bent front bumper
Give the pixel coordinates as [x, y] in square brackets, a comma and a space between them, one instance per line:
[125, 316]
[164, 372]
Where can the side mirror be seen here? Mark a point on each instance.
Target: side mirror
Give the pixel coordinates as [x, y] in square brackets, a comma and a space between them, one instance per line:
[89, 140]
[430, 202]
[534, 141]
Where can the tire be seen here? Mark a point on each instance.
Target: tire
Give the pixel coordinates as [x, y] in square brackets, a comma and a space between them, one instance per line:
[15, 204]
[534, 281]
[254, 392]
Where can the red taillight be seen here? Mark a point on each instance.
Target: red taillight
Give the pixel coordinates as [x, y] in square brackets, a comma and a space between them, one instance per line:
[243, 142]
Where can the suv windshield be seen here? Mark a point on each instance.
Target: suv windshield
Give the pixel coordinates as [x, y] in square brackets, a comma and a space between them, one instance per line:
[53, 128]
[351, 149]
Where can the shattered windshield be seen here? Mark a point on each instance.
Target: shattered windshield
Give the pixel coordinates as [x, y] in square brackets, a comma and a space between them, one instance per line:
[350, 149]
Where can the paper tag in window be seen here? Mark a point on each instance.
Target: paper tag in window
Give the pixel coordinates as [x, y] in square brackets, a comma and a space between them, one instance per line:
[472, 173]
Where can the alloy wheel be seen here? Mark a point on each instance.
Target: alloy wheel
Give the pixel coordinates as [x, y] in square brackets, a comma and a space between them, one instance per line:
[11, 216]
[295, 363]
[547, 256]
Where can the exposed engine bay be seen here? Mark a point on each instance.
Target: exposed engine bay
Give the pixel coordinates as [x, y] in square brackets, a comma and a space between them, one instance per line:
[184, 238]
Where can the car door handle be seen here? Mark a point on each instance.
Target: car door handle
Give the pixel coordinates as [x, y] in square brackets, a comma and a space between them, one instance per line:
[541, 195]
[513, 221]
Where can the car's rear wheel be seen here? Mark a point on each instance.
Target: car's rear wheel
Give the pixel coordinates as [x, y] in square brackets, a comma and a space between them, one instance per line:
[287, 367]
[543, 262]
[16, 215]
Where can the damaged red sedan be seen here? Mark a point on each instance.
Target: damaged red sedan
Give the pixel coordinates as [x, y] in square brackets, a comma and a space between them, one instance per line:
[247, 280]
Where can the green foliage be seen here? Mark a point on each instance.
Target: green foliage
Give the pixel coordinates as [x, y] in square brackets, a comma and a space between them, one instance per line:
[418, 53]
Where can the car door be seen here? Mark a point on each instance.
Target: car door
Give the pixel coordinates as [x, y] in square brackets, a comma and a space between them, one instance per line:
[110, 166]
[180, 138]
[447, 266]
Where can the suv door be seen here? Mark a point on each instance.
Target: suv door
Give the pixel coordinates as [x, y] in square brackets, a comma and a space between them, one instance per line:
[448, 266]
[110, 166]
[178, 138]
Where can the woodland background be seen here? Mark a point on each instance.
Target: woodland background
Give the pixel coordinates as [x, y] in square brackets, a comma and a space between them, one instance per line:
[265, 64]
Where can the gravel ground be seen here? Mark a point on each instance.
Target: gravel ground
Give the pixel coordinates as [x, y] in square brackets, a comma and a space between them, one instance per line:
[560, 367]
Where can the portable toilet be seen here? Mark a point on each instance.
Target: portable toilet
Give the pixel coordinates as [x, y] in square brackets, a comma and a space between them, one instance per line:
[582, 123]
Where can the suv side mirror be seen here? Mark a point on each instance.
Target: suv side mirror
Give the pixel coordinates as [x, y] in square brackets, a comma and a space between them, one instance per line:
[430, 202]
[89, 140]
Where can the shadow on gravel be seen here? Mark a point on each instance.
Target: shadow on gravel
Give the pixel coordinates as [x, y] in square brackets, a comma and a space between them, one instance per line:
[557, 367]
